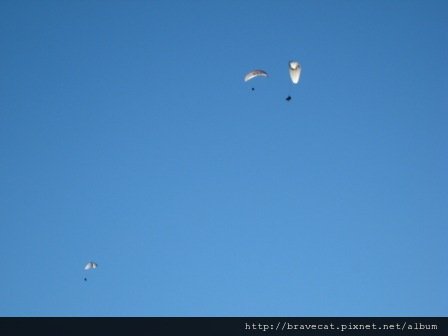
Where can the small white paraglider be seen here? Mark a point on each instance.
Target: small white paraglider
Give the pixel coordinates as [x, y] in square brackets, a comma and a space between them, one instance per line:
[90, 266]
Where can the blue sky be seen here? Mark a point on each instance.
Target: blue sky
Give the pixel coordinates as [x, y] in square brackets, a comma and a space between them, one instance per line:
[128, 137]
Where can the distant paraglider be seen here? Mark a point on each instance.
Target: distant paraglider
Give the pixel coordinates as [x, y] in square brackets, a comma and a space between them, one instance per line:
[294, 74]
[255, 73]
[91, 265]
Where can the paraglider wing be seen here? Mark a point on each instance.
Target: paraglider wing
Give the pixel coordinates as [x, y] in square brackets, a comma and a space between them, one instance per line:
[294, 71]
[255, 73]
[91, 265]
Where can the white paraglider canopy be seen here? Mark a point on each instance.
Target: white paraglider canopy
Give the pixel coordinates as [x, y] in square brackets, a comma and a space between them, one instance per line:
[255, 73]
[294, 71]
[90, 265]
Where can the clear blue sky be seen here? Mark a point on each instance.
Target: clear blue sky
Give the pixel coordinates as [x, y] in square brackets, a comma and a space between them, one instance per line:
[128, 137]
